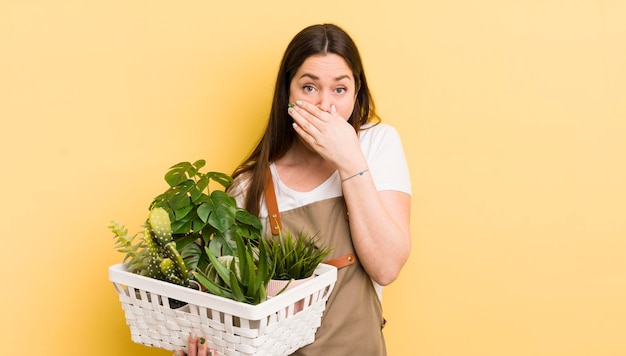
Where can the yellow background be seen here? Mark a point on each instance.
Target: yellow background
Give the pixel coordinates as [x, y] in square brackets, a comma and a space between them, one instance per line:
[512, 114]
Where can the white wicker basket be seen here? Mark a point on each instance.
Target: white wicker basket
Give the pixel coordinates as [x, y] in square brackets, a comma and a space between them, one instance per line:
[233, 328]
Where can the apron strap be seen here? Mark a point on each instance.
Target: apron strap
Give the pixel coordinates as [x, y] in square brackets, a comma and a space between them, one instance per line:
[276, 225]
[343, 261]
[272, 205]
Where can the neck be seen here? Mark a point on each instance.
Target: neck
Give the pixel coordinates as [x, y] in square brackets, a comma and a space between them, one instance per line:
[302, 169]
[300, 154]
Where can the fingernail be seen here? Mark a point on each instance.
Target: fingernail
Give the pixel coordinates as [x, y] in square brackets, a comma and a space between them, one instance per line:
[202, 340]
[290, 110]
[333, 108]
[299, 102]
[291, 105]
[192, 335]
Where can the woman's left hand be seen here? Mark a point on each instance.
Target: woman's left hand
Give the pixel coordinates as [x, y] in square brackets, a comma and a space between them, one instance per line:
[196, 346]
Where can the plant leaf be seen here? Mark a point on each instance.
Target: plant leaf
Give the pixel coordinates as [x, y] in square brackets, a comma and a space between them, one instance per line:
[229, 246]
[245, 217]
[215, 245]
[210, 286]
[197, 225]
[235, 287]
[222, 271]
[180, 195]
[181, 213]
[223, 212]
[201, 185]
[223, 179]
[182, 226]
[177, 173]
[203, 211]
[258, 286]
[199, 164]
[191, 254]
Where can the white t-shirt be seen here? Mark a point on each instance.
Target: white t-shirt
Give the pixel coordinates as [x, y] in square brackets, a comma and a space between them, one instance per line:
[386, 161]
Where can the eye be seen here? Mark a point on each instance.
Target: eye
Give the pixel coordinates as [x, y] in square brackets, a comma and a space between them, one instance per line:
[308, 88]
[340, 90]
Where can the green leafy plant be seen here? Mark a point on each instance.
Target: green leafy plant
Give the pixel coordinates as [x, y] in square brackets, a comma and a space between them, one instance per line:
[243, 278]
[195, 232]
[203, 219]
[295, 257]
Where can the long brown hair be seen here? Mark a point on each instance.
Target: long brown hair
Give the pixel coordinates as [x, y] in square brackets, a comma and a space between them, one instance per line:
[279, 134]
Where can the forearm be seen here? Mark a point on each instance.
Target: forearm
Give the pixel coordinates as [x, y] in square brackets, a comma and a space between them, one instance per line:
[379, 223]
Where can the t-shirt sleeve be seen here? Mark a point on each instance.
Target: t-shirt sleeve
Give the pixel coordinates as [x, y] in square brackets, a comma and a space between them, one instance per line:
[387, 163]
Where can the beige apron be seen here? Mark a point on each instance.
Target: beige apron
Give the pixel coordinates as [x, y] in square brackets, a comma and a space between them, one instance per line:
[352, 322]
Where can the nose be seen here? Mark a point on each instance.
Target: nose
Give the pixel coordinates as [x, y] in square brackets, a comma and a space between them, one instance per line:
[325, 101]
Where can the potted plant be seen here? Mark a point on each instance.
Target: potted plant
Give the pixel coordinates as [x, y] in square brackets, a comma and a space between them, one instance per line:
[293, 259]
[195, 234]
[189, 223]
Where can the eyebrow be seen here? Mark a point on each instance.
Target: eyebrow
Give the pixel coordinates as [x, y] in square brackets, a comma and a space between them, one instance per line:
[315, 77]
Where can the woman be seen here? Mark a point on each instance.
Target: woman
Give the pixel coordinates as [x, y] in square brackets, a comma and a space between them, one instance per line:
[338, 173]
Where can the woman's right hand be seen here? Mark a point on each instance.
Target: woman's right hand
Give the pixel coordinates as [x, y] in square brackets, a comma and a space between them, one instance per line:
[196, 346]
[329, 135]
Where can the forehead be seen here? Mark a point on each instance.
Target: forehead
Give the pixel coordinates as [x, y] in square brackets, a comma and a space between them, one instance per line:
[324, 65]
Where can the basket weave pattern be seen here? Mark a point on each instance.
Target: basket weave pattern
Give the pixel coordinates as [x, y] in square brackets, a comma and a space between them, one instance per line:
[271, 328]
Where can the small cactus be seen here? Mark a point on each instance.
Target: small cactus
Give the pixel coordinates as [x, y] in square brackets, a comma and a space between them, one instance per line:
[155, 256]
[159, 221]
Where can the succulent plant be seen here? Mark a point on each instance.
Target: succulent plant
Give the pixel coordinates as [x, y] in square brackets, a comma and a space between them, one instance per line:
[295, 257]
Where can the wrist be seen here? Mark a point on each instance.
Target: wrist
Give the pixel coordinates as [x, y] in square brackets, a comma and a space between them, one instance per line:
[354, 175]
